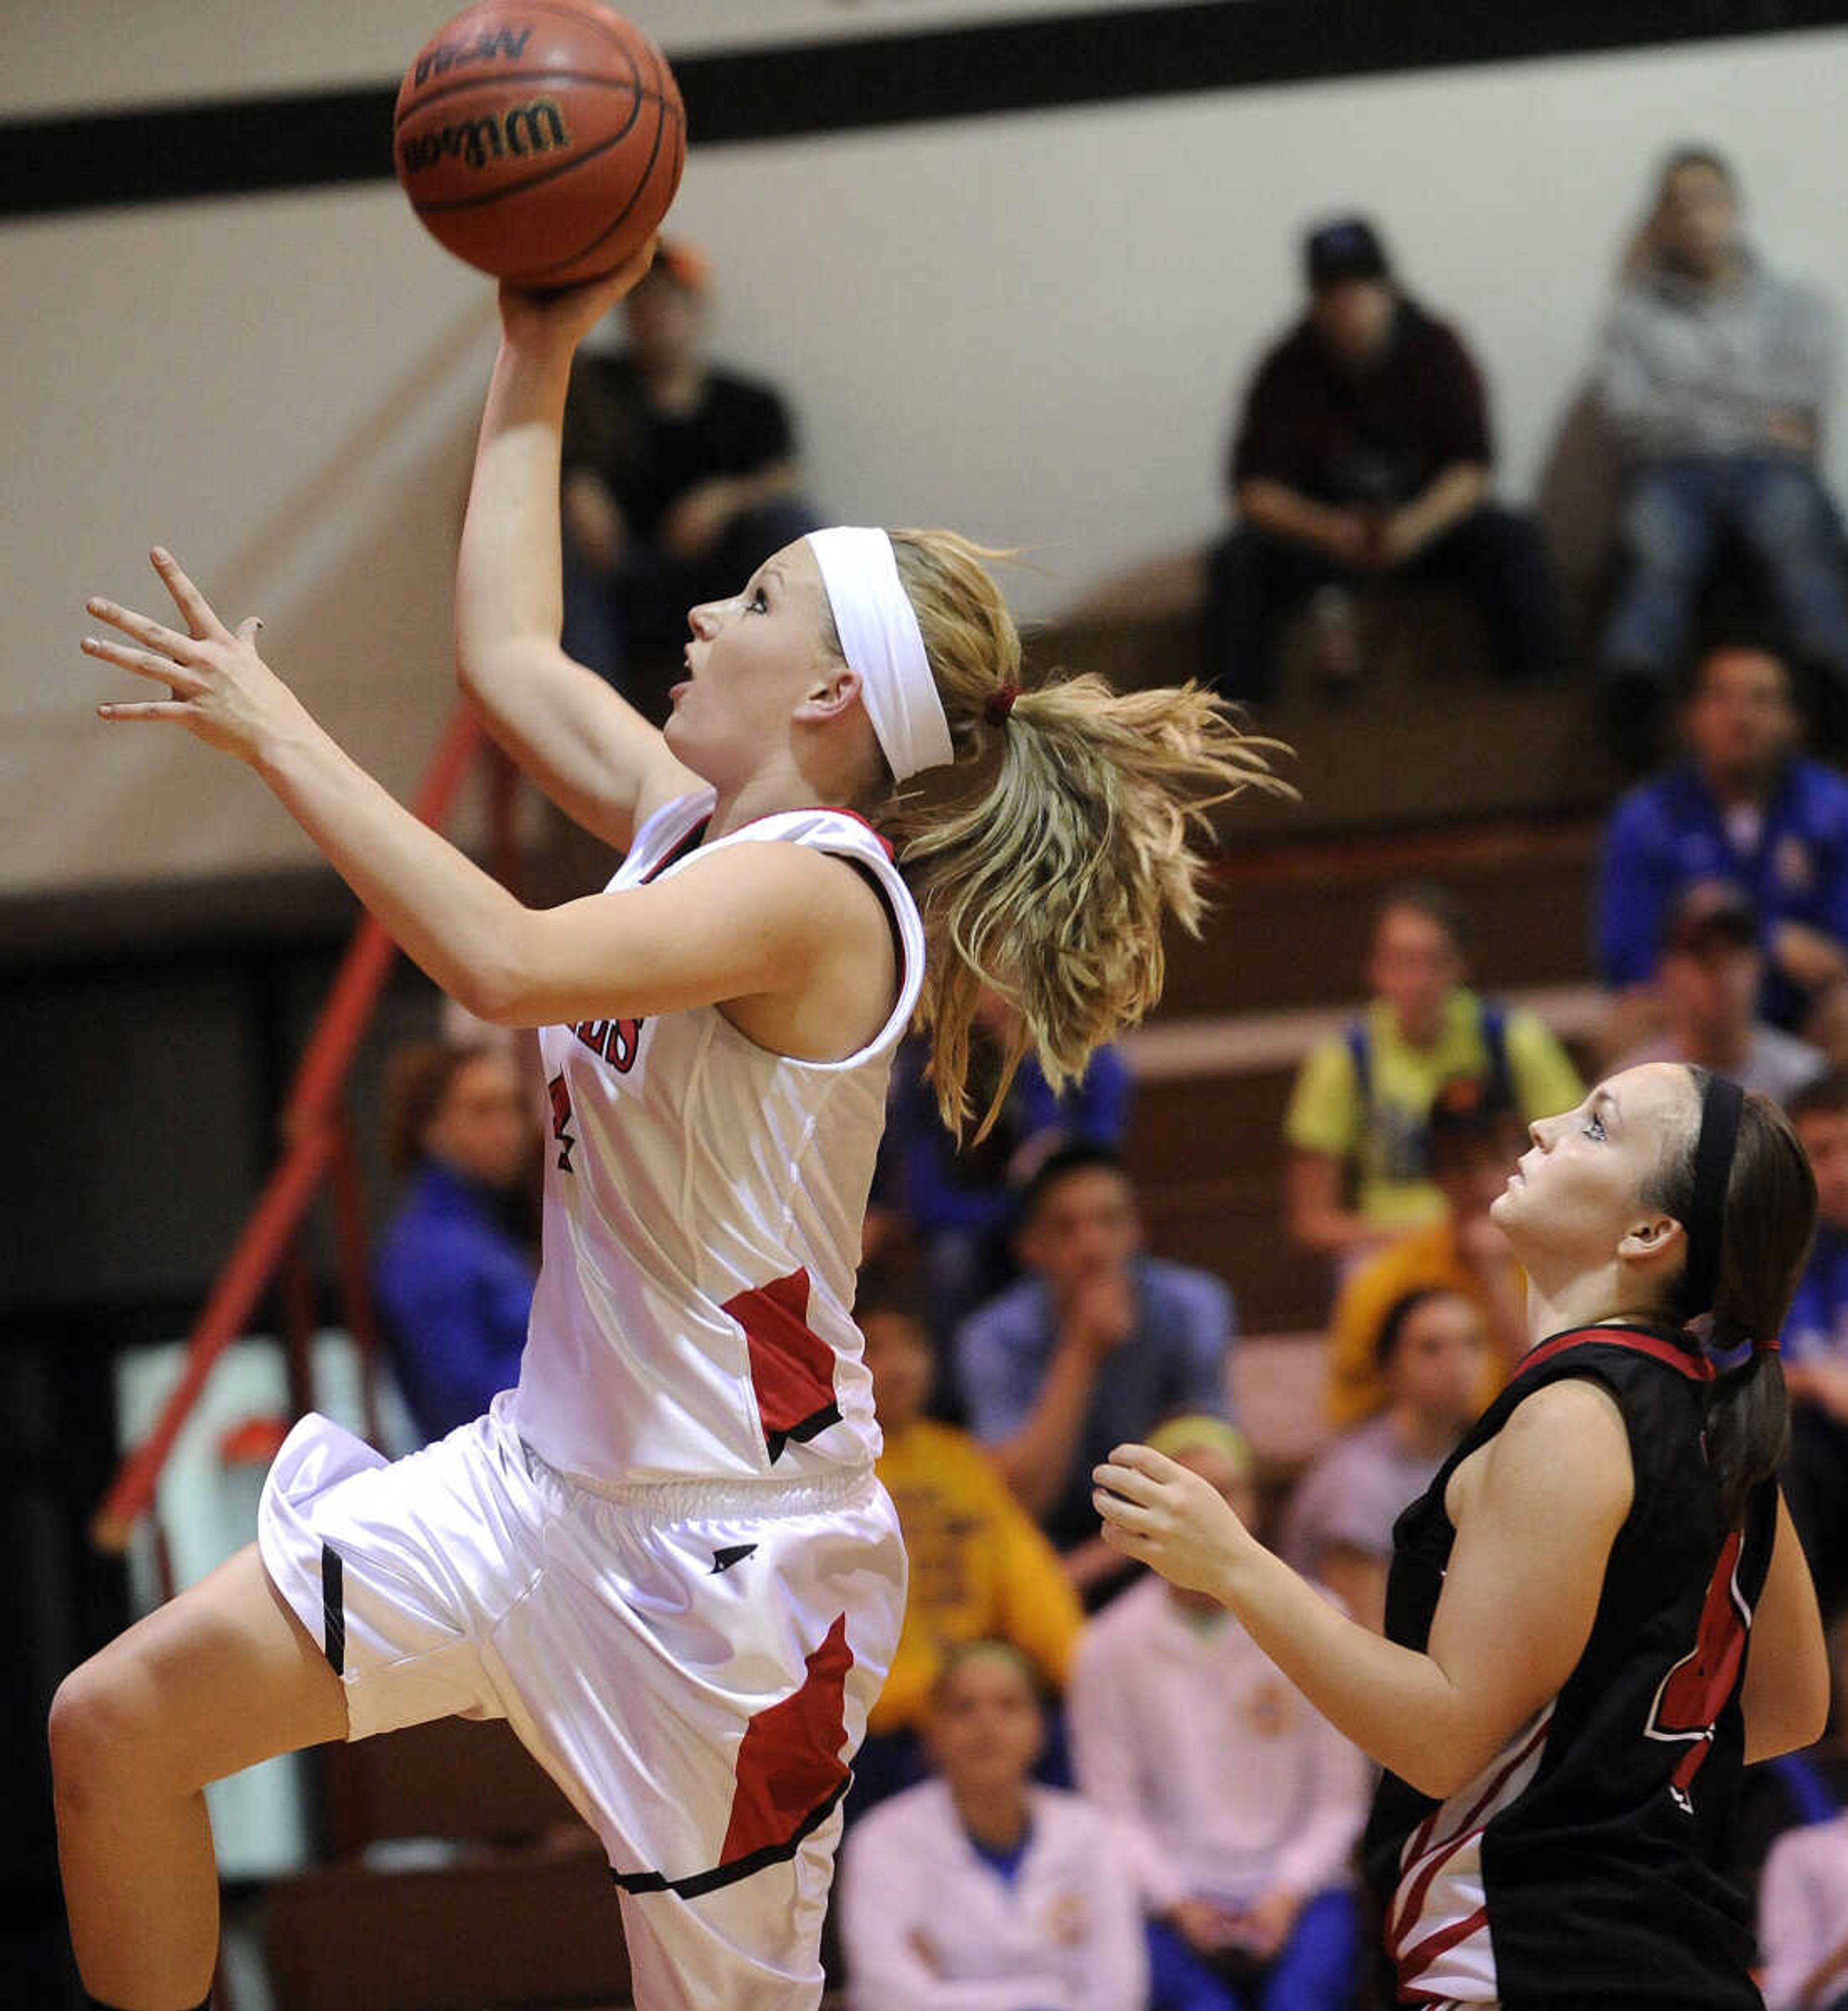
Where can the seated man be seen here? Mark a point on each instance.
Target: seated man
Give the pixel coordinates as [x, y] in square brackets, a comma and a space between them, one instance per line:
[980, 1567]
[1707, 984]
[1745, 807]
[1475, 1140]
[1358, 1173]
[1363, 452]
[982, 1890]
[1181, 1724]
[1815, 1347]
[679, 477]
[1714, 378]
[1338, 1528]
[455, 1283]
[1096, 1343]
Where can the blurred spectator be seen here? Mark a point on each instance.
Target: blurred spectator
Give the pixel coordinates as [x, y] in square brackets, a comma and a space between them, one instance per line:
[1359, 1172]
[680, 478]
[982, 1890]
[1096, 1344]
[1431, 1352]
[1803, 1892]
[1364, 451]
[980, 1567]
[1714, 377]
[1745, 807]
[455, 1283]
[1797, 1788]
[1707, 985]
[1815, 1347]
[1803, 1919]
[959, 1200]
[1181, 1724]
[1475, 1140]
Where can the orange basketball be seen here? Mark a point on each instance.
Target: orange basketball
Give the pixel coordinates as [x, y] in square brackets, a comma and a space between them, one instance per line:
[541, 140]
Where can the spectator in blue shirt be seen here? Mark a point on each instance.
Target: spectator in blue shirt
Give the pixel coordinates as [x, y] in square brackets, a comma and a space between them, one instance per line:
[1815, 1346]
[958, 1199]
[455, 1284]
[1747, 808]
[1098, 1342]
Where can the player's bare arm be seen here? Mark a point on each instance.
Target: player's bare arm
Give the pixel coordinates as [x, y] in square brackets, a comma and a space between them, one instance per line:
[1785, 1695]
[797, 938]
[591, 751]
[1536, 1511]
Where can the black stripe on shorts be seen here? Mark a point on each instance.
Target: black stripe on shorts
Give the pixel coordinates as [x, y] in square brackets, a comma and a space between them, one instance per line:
[702, 1882]
[333, 1610]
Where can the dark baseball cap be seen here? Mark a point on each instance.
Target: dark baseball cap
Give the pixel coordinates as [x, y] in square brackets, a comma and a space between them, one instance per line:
[1349, 248]
[1467, 1109]
[1711, 911]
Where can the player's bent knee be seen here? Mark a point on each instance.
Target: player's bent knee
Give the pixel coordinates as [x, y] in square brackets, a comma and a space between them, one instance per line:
[98, 1730]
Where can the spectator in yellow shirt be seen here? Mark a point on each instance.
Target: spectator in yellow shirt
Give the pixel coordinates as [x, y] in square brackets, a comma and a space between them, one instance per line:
[1475, 1139]
[980, 1567]
[1359, 1170]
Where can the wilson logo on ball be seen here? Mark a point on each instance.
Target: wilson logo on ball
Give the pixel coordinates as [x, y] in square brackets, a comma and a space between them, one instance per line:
[520, 131]
[541, 140]
[507, 43]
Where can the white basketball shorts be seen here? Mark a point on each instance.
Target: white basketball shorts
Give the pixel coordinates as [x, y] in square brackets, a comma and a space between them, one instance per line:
[692, 1663]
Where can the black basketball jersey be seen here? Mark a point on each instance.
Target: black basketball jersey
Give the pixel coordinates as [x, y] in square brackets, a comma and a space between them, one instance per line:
[1582, 1867]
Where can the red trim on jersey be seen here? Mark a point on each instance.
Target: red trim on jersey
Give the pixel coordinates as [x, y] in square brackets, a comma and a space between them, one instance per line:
[689, 840]
[789, 1760]
[1421, 1958]
[1634, 1340]
[1408, 1901]
[792, 1367]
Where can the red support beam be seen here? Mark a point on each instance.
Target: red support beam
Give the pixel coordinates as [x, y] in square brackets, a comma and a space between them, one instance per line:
[308, 1148]
[227, 1313]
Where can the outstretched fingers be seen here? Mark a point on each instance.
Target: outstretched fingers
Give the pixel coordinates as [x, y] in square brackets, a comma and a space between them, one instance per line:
[184, 681]
[205, 625]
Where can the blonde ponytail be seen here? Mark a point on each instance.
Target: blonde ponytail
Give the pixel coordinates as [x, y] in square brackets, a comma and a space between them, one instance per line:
[1045, 860]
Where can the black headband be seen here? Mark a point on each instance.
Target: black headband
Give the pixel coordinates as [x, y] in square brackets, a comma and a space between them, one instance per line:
[1721, 1104]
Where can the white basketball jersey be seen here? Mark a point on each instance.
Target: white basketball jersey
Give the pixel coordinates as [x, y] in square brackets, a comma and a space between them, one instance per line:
[704, 1201]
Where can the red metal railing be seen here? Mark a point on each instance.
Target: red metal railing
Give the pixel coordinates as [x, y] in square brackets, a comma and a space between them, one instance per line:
[316, 1149]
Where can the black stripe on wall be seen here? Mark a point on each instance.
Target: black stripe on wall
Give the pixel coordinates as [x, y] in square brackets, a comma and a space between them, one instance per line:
[324, 139]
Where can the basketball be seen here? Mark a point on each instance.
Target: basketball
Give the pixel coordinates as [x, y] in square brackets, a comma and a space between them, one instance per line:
[540, 140]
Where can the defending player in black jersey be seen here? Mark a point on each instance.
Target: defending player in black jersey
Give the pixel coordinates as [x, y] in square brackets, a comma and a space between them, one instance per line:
[1598, 1612]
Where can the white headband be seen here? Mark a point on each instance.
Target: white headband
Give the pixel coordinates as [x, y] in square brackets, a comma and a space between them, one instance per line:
[880, 640]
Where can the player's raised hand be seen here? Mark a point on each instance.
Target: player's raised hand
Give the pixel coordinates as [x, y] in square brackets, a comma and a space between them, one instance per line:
[564, 315]
[1169, 1516]
[219, 688]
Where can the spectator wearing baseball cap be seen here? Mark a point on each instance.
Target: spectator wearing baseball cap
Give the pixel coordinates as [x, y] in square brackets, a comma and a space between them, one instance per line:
[680, 478]
[1708, 978]
[1477, 1134]
[1364, 451]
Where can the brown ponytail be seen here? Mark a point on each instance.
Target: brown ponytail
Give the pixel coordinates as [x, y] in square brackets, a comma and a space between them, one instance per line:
[1769, 1218]
[1044, 861]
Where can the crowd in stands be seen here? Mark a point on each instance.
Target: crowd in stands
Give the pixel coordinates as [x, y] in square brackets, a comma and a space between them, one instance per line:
[1082, 1788]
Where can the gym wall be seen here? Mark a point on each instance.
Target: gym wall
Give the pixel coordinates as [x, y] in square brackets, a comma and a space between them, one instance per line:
[1030, 324]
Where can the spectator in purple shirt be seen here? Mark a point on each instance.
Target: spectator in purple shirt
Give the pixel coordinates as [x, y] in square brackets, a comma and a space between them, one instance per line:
[1365, 451]
[455, 1283]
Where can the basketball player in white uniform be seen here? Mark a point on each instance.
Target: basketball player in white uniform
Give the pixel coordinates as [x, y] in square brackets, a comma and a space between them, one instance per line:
[664, 1557]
